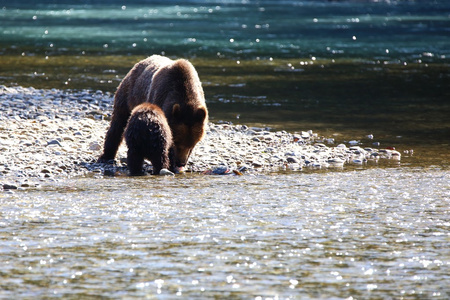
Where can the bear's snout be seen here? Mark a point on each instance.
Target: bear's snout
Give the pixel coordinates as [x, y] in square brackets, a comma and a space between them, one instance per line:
[181, 156]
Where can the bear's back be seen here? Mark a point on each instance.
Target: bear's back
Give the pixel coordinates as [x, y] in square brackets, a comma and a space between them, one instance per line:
[139, 80]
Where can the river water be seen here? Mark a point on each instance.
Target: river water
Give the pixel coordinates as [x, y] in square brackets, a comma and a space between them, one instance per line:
[344, 69]
[378, 233]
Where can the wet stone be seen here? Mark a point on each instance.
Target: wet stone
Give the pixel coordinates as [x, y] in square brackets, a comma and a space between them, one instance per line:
[54, 142]
[292, 160]
[7, 186]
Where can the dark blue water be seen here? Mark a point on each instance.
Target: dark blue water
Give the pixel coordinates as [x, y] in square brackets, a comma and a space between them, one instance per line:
[405, 30]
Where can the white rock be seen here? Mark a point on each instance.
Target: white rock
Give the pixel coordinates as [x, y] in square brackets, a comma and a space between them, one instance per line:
[165, 172]
[95, 146]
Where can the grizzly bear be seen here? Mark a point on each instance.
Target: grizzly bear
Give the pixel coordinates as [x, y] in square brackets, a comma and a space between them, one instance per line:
[175, 87]
[148, 136]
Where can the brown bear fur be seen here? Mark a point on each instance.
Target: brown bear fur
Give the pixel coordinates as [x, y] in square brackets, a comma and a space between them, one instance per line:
[175, 87]
[148, 136]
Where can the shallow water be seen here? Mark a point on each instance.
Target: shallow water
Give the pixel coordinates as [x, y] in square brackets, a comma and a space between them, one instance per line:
[375, 233]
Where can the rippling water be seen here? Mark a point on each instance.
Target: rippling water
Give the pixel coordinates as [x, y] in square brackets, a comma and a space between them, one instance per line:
[344, 69]
[379, 234]
[381, 29]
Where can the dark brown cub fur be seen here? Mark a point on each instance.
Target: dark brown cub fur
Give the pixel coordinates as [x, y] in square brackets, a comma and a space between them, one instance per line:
[148, 136]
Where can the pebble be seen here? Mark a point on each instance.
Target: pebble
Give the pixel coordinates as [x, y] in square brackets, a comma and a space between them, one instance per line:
[47, 135]
[292, 160]
[165, 172]
[9, 186]
[53, 142]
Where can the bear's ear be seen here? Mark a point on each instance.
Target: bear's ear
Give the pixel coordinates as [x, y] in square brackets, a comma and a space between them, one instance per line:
[200, 114]
[176, 111]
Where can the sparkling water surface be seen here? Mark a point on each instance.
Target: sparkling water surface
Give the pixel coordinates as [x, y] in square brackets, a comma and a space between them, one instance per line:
[366, 234]
[382, 29]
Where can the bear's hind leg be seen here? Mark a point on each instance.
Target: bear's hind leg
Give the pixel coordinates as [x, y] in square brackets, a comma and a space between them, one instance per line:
[114, 136]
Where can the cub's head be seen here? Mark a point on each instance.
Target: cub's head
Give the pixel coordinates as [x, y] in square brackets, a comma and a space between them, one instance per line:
[188, 127]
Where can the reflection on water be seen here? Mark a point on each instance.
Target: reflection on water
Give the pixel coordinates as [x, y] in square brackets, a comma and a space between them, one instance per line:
[379, 233]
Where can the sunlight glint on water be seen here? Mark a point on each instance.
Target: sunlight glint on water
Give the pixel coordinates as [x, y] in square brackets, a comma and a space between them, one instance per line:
[329, 235]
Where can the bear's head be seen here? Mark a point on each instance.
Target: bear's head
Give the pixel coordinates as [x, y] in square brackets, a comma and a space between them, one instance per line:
[188, 128]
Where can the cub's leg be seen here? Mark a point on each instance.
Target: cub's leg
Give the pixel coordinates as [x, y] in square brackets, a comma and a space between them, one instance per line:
[159, 157]
[135, 160]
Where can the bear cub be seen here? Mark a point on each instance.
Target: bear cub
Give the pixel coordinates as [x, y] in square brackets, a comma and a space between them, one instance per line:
[148, 136]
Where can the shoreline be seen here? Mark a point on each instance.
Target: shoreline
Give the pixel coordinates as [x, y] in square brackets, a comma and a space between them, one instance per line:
[51, 134]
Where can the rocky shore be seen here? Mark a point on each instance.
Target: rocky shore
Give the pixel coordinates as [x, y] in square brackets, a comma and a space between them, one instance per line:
[46, 135]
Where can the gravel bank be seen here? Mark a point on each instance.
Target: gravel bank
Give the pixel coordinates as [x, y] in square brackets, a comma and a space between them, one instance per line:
[50, 134]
